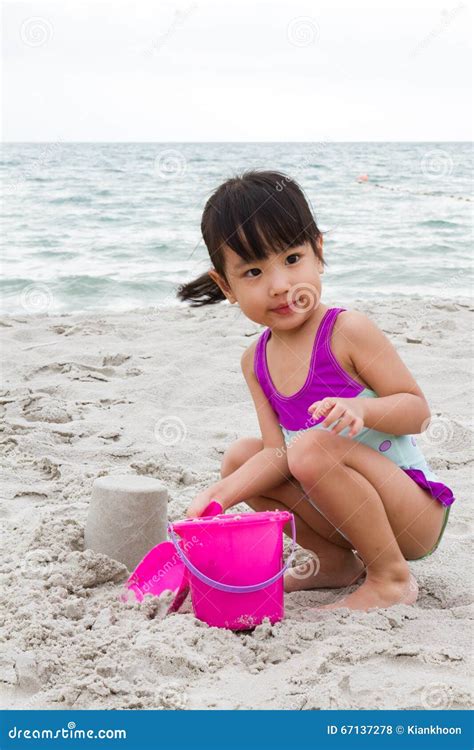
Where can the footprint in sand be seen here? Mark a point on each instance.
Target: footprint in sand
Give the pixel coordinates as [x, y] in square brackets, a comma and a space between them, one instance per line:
[115, 359]
[112, 435]
[45, 409]
[82, 371]
[23, 505]
[85, 328]
[49, 468]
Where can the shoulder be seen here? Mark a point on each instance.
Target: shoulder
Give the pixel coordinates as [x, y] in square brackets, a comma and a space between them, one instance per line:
[355, 325]
[248, 357]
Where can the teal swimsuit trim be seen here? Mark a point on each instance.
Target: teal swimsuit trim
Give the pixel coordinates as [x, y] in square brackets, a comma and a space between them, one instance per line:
[447, 509]
[401, 449]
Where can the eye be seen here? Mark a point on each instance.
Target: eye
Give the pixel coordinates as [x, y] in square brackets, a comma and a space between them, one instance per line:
[293, 255]
[251, 269]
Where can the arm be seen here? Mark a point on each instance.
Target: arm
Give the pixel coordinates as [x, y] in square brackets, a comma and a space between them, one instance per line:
[267, 469]
[401, 407]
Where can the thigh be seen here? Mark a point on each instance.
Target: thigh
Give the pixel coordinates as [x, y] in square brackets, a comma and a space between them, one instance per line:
[292, 496]
[415, 516]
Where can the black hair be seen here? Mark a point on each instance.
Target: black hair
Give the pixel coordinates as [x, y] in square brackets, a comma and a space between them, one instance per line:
[255, 214]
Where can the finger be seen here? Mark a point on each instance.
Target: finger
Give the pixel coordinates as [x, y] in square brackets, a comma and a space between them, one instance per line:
[326, 405]
[356, 427]
[331, 417]
[322, 406]
[336, 412]
[345, 421]
[314, 410]
[315, 416]
[195, 509]
[321, 411]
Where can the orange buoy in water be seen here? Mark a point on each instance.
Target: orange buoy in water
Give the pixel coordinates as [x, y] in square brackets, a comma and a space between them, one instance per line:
[363, 178]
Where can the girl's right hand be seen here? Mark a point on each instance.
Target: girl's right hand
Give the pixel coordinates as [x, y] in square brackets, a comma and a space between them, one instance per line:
[201, 501]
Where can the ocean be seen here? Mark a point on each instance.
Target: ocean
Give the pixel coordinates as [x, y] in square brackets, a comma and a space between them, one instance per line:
[116, 226]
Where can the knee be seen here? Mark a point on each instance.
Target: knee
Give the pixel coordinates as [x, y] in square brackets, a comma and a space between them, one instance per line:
[311, 454]
[238, 453]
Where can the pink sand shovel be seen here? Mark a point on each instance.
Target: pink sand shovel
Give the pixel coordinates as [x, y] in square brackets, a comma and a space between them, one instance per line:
[163, 570]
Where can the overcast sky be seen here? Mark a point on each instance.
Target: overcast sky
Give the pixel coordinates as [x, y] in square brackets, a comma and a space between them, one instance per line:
[236, 70]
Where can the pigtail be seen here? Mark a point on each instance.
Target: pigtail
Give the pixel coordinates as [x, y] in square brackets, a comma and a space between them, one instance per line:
[201, 291]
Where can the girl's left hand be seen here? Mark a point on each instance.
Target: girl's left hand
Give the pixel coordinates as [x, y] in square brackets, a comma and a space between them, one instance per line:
[349, 412]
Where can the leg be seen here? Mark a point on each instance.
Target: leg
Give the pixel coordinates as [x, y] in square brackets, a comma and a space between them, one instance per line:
[386, 515]
[333, 563]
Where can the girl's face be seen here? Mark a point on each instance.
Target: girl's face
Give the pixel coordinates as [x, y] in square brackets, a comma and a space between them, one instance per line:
[291, 277]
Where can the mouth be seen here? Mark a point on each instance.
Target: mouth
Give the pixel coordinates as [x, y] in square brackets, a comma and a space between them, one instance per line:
[281, 309]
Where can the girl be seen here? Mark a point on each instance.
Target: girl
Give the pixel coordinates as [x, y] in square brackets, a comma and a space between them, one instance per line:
[337, 407]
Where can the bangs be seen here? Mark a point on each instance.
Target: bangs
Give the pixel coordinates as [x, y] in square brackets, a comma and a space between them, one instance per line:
[258, 219]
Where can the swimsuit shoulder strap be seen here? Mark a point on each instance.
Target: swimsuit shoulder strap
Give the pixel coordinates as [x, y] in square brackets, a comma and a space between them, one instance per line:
[324, 334]
[258, 361]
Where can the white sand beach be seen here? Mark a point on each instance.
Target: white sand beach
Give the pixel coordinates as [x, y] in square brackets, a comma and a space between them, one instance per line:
[82, 397]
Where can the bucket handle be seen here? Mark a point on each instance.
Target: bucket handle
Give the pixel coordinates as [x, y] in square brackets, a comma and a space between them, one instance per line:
[225, 586]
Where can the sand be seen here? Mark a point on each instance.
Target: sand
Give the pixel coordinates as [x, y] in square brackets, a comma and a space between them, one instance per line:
[159, 393]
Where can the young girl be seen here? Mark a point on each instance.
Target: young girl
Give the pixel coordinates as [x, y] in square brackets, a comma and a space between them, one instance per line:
[336, 405]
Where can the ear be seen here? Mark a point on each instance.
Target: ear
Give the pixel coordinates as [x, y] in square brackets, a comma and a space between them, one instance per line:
[222, 284]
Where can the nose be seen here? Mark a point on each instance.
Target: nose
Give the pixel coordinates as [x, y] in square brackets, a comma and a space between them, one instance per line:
[279, 283]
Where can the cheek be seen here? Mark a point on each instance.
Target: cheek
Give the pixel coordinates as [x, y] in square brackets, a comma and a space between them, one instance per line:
[248, 299]
[247, 289]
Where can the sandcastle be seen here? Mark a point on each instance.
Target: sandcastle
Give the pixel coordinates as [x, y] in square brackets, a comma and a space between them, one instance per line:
[128, 515]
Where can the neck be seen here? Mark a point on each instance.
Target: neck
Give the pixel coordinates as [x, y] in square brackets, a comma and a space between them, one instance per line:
[307, 329]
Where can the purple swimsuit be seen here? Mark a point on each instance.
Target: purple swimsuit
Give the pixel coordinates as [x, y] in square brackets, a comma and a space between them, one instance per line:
[326, 377]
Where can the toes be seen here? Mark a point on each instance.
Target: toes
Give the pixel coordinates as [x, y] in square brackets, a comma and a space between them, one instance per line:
[413, 589]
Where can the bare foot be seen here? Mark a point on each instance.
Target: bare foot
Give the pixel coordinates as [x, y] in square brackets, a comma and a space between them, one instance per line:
[317, 573]
[378, 594]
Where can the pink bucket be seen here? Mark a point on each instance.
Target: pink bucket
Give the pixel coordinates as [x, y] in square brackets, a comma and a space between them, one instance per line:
[235, 565]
